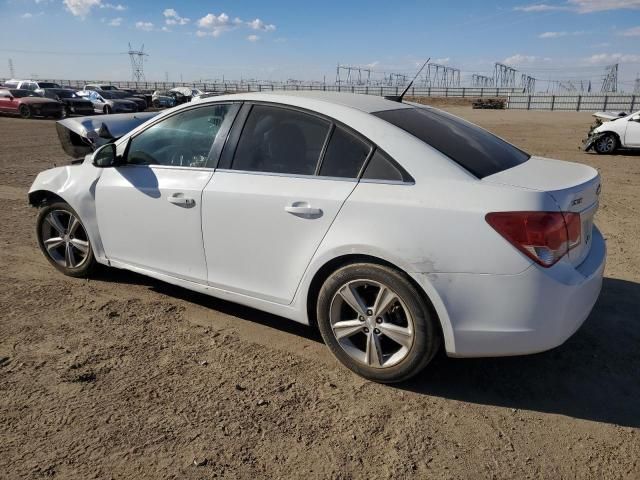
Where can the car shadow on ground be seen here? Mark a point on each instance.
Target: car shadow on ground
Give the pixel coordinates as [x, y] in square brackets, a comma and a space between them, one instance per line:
[595, 375]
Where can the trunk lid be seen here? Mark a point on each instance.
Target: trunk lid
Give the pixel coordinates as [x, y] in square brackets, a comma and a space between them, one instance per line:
[574, 188]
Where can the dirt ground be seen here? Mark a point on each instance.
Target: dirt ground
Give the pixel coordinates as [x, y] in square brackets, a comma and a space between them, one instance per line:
[121, 376]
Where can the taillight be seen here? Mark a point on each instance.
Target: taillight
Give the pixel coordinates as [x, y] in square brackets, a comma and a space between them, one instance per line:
[545, 237]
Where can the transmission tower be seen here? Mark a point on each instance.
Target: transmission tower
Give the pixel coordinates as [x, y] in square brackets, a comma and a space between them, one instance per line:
[481, 81]
[137, 63]
[610, 83]
[441, 76]
[528, 83]
[354, 75]
[636, 86]
[504, 76]
[12, 72]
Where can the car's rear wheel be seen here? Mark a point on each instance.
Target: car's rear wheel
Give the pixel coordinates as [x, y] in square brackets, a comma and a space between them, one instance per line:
[107, 110]
[606, 144]
[64, 241]
[25, 112]
[376, 322]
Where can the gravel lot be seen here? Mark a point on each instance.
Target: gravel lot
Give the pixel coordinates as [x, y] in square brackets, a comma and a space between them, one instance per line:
[121, 376]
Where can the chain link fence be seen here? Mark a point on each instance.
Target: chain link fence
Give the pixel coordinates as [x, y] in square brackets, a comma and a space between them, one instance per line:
[591, 102]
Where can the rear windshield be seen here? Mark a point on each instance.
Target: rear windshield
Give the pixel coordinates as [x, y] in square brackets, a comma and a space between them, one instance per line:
[471, 147]
[48, 85]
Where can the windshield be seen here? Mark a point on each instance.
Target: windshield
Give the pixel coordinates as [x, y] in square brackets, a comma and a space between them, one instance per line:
[108, 87]
[48, 85]
[63, 93]
[471, 147]
[22, 93]
[110, 95]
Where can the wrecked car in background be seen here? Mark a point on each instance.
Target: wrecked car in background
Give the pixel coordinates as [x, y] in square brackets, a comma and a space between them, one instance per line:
[613, 130]
[106, 102]
[73, 103]
[163, 99]
[27, 104]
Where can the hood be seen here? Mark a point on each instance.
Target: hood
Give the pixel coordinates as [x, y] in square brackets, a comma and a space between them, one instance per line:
[80, 136]
[34, 100]
[606, 116]
[183, 90]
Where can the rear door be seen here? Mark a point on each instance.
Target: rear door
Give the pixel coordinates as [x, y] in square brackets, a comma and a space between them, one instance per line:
[283, 178]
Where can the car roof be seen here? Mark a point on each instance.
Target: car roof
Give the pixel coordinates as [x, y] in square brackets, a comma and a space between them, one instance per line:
[362, 102]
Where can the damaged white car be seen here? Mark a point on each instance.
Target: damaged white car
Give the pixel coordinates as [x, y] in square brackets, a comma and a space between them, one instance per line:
[396, 228]
[613, 131]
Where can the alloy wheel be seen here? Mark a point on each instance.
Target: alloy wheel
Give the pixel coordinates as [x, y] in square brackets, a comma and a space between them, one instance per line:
[371, 323]
[606, 144]
[65, 239]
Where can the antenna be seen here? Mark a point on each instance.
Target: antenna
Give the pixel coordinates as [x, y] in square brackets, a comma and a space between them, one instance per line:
[398, 98]
[137, 63]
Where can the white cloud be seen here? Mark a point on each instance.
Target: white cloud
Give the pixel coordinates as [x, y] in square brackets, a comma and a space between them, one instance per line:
[609, 58]
[559, 34]
[212, 21]
[589, 6]
[581, 6]
[540, 7]
[111, 6]
[144, 26]
[115, 22]
[253, 38]
[631, 32]
[26, 15]
[258, 24]
[172, 17]
[81, 8]
[441, 61]
[519, 59]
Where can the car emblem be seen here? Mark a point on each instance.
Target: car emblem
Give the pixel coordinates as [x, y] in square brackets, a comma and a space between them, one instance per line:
[577, 201]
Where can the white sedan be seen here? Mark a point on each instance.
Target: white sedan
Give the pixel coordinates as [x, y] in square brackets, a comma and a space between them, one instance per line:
[614, 132]
[396, 228]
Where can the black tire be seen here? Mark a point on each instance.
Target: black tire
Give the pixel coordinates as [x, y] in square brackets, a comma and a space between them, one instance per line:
[155, 104]
[606, 145]
[426, 340]
[85, 267]
[25, 111]
[107, 110]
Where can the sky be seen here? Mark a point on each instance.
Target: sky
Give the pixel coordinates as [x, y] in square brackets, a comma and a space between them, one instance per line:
[568, 40]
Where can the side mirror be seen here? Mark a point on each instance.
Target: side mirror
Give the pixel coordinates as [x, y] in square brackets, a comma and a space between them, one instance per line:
[8, 96]
[105, 156]
[636, 118]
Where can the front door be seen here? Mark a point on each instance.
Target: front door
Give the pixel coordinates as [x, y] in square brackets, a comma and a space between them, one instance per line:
[265, 214]
[149, 208]
[632, 134]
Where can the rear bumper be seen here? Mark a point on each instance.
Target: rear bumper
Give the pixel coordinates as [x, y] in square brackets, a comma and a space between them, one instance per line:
[534, 311]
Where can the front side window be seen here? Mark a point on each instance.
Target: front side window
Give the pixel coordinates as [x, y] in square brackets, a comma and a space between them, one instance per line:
[345, 155]
[278, 140]
[182, 140]
[475, 149]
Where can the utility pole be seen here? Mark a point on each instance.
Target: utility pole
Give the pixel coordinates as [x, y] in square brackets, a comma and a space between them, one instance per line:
[636, 87]
[12, 72]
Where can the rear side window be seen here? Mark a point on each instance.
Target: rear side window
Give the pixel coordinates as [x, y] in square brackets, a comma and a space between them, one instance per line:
[471, 147]
[381, 167]
[345, 155]
[278, 140]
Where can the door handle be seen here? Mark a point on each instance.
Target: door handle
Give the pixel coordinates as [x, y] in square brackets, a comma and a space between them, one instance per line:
[180, 200]
[303, 209]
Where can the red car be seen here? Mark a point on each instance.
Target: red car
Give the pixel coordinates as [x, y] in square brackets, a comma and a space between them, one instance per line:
[28, 104]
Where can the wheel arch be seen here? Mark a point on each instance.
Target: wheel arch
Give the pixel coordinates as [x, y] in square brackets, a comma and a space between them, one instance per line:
[39, 198]
[421, 283]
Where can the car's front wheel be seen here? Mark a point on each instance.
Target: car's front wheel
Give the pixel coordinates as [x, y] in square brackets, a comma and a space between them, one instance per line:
[25, 111]
[606, 144]
[107, 110]
[64, 241]
[376, 322]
